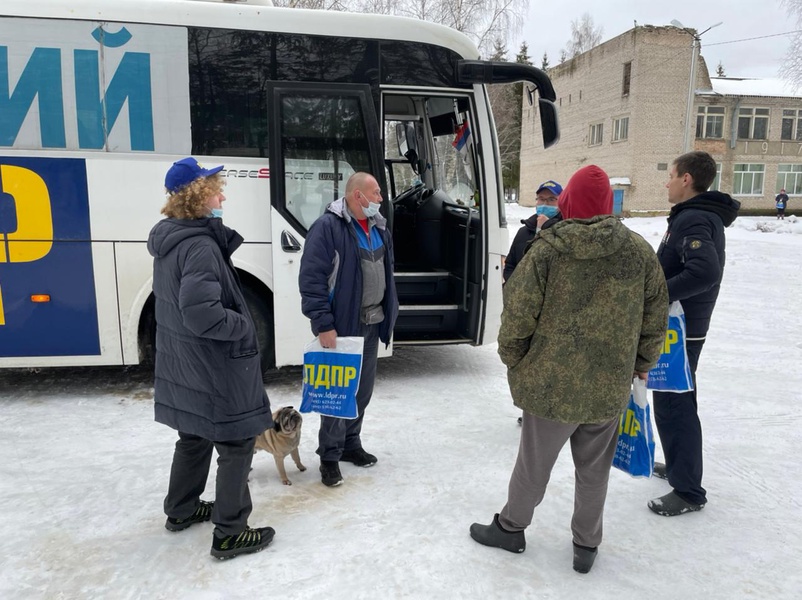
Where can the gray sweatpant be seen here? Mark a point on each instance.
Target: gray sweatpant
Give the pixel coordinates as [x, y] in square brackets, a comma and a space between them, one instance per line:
[592, 448]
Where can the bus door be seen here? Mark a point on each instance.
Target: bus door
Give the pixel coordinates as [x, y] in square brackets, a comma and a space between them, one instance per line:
[322, 135]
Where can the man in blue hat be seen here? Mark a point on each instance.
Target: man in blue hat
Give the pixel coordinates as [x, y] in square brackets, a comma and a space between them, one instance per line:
[546, 215]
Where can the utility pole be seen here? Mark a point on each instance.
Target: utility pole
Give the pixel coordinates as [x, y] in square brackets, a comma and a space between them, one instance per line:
[687, 143]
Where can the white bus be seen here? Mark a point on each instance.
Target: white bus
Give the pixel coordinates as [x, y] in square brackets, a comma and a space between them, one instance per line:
[99, 97]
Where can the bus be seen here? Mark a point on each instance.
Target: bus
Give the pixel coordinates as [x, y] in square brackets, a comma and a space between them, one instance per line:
[99, 98]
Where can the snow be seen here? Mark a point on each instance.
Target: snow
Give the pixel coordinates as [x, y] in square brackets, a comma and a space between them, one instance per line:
[769, 87]
[86, 469]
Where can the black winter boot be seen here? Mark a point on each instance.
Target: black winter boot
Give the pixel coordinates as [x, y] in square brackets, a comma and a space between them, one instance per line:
[659, 471]
[496, 536]
[584, 557]
[359, 457]
[330, 473]
[672, 505]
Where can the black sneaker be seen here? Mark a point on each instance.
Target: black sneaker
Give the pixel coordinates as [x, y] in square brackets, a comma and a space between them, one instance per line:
[583, 558]
[496, 536]
[330, 473]
[201, 514]
[672, 505]
[247, 542]
[359, 457]
[659, 470]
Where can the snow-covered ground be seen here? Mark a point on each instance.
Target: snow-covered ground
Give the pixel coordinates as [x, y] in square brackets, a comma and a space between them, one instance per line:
[85, 469]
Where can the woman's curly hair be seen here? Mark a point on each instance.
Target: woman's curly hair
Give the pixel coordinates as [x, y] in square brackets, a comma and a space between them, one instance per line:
[189, 202]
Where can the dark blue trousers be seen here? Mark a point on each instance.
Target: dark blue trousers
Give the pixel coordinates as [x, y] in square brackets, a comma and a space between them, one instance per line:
[680, 431]
[338, 435]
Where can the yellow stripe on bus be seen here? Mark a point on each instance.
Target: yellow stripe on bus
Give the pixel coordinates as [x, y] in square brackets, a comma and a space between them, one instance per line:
[2, 314]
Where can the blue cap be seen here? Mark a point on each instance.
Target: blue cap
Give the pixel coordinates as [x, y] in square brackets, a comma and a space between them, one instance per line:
[552, 186]
[184, 172]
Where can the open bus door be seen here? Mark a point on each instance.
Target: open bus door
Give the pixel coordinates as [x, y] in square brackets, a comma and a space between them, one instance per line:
[324, 134]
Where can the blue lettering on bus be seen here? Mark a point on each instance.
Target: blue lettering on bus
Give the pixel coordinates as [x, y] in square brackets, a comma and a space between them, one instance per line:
[41, 78]
[96, 110]
[131, 81]
[45, 250]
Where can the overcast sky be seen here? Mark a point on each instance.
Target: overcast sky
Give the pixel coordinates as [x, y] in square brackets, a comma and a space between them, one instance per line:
[548, 28]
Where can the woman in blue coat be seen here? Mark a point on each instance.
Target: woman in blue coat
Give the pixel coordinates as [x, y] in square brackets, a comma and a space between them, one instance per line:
[208, 382]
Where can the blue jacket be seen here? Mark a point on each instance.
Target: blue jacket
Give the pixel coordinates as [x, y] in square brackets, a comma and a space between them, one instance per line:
[208, 376]
[331, 275]
[692, 255]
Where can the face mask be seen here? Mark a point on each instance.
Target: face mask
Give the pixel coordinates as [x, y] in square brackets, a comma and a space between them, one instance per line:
[549, 211]
[371, 210]
[217, 213]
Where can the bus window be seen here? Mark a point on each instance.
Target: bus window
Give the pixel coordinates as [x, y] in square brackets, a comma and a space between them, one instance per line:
[323, 142]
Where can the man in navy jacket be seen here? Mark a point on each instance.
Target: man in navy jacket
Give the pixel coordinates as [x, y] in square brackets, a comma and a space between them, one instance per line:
[692, 255]
[347, 289]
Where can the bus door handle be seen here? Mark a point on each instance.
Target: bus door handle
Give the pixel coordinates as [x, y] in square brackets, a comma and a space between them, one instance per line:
[289, 243]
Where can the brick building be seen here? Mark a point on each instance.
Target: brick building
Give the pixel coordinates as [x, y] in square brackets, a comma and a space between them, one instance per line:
[622, 106]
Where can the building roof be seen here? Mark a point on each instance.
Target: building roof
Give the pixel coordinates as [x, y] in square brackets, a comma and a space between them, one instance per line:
[738, 86]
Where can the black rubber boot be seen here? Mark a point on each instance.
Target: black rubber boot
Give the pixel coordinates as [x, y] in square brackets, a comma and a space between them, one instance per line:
[496, 536]
[659, 471]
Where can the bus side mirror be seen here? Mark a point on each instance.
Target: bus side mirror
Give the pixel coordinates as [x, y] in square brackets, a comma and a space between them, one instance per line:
[549, 122]
[489, 72]
[407, 138]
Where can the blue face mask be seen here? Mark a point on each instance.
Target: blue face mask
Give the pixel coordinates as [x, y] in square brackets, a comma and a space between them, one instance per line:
[217, 213]
[549, 211]
[371, 210]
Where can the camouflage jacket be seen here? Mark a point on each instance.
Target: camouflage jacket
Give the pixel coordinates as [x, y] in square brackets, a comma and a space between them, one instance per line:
[585, 308]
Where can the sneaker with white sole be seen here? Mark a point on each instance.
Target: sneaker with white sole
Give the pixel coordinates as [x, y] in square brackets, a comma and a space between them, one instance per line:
[359, 457]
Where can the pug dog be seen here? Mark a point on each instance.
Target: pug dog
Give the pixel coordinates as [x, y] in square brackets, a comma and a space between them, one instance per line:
[283, 439]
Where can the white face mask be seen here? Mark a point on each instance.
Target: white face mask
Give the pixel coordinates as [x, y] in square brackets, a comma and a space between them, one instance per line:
[371, 210]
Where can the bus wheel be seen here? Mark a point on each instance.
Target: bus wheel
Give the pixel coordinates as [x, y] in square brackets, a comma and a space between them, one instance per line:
[261, 309]
[146, 336]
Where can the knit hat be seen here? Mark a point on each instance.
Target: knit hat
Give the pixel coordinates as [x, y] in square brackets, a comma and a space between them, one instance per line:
[588, 194]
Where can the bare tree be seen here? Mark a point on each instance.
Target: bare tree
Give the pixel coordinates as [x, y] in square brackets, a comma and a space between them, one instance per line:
[313, 4]
[791, 69]
[482, 20]
[584, 36]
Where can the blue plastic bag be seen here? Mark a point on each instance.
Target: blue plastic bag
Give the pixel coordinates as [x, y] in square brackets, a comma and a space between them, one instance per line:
[673, 371]
[634, 453]
[331, 378]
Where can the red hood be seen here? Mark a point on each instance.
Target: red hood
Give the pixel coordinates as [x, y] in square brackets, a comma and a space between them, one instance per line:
[587, 195]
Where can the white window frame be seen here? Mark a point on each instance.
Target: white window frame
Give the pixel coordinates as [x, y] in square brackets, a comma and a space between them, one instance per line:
[750, 177]
[704, 120]
[786, 172]
[596, 135]
[621, 129]
[796, 124]
[716, 185]
[751, 113]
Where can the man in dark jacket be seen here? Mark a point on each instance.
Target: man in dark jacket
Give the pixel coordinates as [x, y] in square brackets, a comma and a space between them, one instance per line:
[546, 215]
[781, 203]
[692, 256]
[208, 378]
[347, 289]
